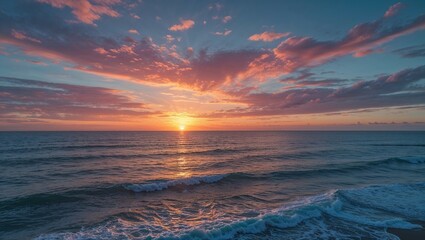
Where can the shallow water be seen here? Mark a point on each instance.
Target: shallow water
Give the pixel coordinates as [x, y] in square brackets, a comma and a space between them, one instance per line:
[210, 185]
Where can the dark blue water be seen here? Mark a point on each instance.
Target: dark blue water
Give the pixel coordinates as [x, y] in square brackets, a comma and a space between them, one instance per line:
[210, 185]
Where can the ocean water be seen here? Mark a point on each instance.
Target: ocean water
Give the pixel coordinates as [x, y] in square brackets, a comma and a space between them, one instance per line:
[210, 185]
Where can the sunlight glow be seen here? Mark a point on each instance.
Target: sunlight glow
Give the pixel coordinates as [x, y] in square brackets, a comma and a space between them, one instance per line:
[181, 121]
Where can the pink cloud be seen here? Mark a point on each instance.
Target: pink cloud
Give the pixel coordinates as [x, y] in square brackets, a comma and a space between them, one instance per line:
[22, 36]
[169, 38]
[86, 11]
[211, 71]
[145, 61]
[224, 33]
[135, 16]
[268, 36]
[362, 39]
[133, 31]
[183, 26]
[393, 9]
[44, 100]
[363, 53]
[226, 19]
[101, 51]
[396, 89]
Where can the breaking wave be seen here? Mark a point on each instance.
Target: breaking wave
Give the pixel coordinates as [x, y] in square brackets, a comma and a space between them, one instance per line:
[342, 214]
[158, 186]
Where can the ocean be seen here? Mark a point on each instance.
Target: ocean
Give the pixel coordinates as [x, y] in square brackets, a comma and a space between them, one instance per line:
[210, 185]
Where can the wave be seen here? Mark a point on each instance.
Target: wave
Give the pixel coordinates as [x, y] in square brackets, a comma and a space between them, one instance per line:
[233, 178]
[55, 159]
[398, 145]
[67, 147]
[80, 193]
[37, 199]
[335, 168]
[158, 186]
[412, 159]
[340, 214]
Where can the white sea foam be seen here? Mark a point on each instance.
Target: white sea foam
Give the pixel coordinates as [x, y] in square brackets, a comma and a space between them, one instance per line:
[402, 199]
[161, 185]
[336, 210]
[342, 214]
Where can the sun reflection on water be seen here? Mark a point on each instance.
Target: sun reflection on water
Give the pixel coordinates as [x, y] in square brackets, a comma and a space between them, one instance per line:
[183, 168]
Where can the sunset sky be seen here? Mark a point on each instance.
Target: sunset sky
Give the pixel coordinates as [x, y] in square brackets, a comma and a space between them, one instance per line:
[212, 65]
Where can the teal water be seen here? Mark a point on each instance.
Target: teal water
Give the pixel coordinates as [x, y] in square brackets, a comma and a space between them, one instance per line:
[210, 185]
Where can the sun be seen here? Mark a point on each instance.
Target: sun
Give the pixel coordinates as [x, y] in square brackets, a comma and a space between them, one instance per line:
[181, 121]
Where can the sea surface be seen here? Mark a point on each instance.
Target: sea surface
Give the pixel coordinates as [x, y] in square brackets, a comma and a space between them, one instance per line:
[210, 185]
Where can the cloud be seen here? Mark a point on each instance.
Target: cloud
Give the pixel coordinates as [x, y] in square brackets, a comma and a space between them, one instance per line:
[128, 59]
[169, 38]
[210, 71]
[35, 62]
[84, 10]
[183, 26]
[297, 52]
[23, 36]
[224, 33]
[304, 74]
[393, 9]
[101, 51]
[226, 19]
[44, 100]
[308, 79]
[145, 61]
[215, 6]
[133, 31]
[135, 16]
[399, 89]
[268, 36]
[332, 82]
[412, 52]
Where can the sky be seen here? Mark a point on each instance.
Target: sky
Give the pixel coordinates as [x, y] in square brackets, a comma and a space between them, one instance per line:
[212, 65]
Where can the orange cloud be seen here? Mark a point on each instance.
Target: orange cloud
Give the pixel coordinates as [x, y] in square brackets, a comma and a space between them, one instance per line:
[268, 36]
[183, 26]
[84, 10]
[232, 70]
[134, 31]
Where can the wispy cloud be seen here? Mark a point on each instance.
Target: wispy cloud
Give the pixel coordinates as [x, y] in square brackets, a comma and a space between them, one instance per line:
[412, 52]
[133, 31]
[183, 26]
[135, 16]
[393, 10]
[398, 89]
[224, 33]
[44, 100]
[23, 36]
[268, 36]
[143, 60]
[86, 11]
[226, 19]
